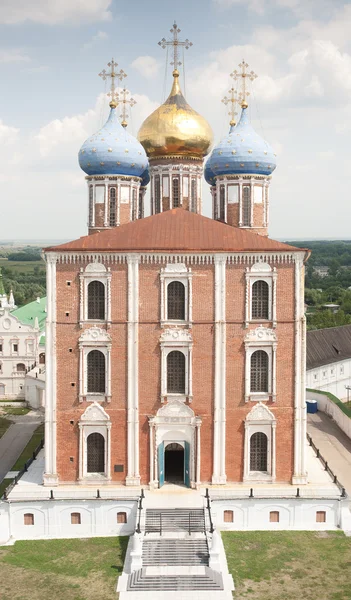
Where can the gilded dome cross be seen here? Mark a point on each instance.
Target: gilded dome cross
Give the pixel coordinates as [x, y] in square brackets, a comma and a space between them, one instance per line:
[176, 43]
[232, 100]
[243, 74]
[124, 100]
[112, 74]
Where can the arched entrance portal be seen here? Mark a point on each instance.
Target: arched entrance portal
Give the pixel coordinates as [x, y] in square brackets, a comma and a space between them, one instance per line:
[174, 463]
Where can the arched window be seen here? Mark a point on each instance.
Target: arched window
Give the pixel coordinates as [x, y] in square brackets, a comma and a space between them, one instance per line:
[96, 300]
[175, 191]
[259, 372]
[258, 452]
[176, 301]
[222, 203]
[95, 453]
[42, 358]
[20, 368]
[96, 372]
[260, 298]
[176, 372]
[246, 207]
[157, 194]
[113, 207]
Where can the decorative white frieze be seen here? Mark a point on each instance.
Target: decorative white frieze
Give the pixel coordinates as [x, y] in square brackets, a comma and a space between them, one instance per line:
[260, 334]
[174, 334]
[94, 413]
[260, 412]
[95, 335]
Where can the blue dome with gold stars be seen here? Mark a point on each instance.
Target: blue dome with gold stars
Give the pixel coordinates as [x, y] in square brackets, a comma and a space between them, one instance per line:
[113, 151]
[241, 151]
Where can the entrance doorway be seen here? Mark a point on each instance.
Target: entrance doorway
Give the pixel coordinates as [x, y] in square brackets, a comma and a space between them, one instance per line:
[174, 463]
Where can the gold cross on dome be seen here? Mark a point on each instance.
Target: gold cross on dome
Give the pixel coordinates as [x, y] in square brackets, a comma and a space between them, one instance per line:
[243, 74]
[233, 100]
[125, 102]
[113, 94]
[176, 43]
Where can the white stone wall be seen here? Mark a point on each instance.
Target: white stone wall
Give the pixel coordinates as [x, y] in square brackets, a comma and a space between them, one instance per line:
[26, 338]
[331, 378]
[52, 519]
[35, 387]
[330, 408]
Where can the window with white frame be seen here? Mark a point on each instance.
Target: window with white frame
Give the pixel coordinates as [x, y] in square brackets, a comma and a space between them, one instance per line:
[176, 288]
[176, 364]
[94, 444]
[261, 292]
[95, 365]
[260, 364]
[95, 293]
[259, 451]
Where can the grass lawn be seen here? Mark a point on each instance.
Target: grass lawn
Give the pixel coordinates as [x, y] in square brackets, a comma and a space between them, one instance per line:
[81, 569]
[289, 565]
[25, 266]
[29, 449]
[4, 425]
[10, 410]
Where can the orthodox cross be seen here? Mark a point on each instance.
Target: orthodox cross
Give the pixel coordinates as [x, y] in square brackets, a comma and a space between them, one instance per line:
[113, 94]
[125, 101]
[244, 75]
[176, 43]
[233, 99]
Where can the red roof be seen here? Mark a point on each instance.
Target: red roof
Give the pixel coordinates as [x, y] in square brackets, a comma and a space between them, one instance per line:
[172, 231]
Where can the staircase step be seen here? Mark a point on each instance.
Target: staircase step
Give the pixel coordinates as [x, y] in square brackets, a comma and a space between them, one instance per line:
[176, 519]
[138, 580]
[175, 552]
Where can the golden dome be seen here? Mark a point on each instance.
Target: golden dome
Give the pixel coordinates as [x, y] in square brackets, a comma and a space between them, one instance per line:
[175, 129]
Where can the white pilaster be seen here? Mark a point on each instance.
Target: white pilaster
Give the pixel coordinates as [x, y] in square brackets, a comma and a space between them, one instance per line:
[50, 475]
[219, 474]
[133, 477]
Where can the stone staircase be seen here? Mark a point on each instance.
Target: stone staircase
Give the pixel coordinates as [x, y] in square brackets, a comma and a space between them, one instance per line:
[208, 580]
[175, 553]
[175, 519]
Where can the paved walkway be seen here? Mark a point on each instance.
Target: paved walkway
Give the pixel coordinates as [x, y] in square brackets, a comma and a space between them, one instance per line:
[333, 444]
[13, 442]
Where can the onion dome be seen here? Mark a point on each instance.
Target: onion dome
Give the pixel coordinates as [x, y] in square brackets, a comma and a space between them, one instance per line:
[113, 151]
[175, 129]
[241, 151]
[145, 178]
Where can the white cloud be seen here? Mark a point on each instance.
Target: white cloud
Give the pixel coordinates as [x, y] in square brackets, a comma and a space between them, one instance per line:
[13, 55]
[100, 36]
[51, 12]
[147, 66]
[8, 135]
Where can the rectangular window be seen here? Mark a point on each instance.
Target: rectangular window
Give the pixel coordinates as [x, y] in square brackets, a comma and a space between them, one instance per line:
[113, 207]
[246, 207]
[0, 347]
[233, 194]
[121, 517]
[15, 347]
[91, 204]
[175, 192]
[75, 519]
[320, 516]
[124, 194]
[222, 203]
[157, 194]
[258, 194]
[341, 370]
[228, 516]
[99, 194]
[28, 519]
[274, 516]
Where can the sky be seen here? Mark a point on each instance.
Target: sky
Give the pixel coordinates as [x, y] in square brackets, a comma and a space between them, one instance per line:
[52, 99]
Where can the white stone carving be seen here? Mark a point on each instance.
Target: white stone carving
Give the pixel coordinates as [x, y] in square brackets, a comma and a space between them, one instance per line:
[94, 413]
[175, 334]
[95, 268]
[261, 334]
[261, 267]
[260, 412]
[175, 268]
[174, 408]
[94, 334]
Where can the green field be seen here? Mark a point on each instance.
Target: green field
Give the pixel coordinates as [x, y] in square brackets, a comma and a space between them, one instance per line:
[80, 569]
[289, 565]
[22, 266]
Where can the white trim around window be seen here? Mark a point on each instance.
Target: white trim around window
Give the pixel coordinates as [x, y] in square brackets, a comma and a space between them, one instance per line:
[181, 340]
[176, 272]
[94, 420]
[94, 272]
[261, 272]
[260, 420]
[261, 338]
[94, 339]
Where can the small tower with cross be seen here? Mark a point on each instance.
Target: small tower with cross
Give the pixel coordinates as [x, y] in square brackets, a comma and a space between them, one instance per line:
[239, 168]
[115, 162]
[176, 139]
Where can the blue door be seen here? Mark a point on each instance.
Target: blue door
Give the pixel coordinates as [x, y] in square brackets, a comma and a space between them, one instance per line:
[187, 464]
[161, 465]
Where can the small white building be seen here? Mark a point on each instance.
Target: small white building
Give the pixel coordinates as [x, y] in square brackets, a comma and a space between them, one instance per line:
[329, 360]
[22, 349]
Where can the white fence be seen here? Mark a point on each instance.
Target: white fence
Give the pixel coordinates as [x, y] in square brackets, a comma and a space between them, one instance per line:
[330, 408]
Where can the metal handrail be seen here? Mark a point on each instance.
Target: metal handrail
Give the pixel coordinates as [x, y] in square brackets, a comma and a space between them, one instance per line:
[326, 466]
[140, 508]
[207, 496]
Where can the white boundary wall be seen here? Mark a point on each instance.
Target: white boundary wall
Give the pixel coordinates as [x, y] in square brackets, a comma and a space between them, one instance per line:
[332, 378]
[330, 408]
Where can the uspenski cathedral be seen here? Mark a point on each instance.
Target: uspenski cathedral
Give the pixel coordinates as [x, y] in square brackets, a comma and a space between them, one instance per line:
[175, 342]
